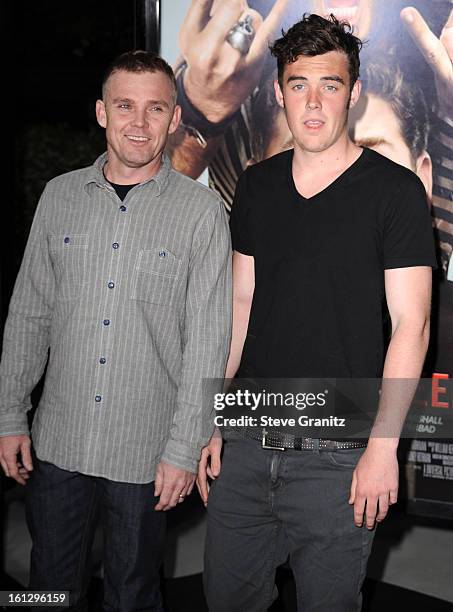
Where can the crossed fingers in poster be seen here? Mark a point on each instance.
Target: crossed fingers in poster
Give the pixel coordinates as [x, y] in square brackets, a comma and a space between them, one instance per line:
[221, 73]
[438, 52]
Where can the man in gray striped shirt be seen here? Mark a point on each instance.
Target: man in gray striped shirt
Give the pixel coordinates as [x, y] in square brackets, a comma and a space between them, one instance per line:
[124, 292]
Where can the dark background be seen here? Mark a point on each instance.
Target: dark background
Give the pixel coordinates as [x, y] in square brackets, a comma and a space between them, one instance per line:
[56, 54]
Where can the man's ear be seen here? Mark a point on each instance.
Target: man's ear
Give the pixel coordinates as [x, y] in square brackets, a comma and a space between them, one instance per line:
[424, 171]
[278, 94]
[101, 115]
[175, 120]
[355, 93]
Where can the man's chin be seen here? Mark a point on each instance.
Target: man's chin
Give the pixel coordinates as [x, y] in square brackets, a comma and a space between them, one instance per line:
[311, 147]
[137, 161]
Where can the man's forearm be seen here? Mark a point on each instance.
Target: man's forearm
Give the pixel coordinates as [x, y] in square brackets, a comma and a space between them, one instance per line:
[241, 314]
[402, 368]
[243, 290]
[196, 140]
[190, 156]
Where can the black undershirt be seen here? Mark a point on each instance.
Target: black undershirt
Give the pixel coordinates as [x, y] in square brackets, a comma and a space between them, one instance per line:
[122, 190]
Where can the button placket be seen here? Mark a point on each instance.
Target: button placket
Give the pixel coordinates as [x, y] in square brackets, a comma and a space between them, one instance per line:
[109, 305]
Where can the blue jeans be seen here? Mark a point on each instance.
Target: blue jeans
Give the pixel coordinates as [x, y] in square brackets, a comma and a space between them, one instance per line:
[269, 505]
[62, 512]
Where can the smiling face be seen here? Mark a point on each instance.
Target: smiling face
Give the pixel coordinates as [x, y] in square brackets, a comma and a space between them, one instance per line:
[316, 97]
[138, 112]
[358, 13]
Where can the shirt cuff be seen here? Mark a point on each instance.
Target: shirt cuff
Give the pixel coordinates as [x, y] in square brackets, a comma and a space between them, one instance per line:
[181, 455]
[13, 424]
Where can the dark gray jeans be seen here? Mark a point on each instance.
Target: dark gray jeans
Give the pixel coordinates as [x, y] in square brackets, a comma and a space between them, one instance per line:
[267, 505]
[62, 512]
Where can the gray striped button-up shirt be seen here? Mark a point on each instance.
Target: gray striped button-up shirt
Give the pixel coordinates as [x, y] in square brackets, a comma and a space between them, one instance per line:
[133, 299]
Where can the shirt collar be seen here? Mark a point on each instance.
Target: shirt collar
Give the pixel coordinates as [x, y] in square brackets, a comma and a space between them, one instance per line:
[161, 179]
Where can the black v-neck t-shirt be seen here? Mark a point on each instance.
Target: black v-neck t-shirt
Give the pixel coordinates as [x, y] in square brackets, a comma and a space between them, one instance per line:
[319, 297]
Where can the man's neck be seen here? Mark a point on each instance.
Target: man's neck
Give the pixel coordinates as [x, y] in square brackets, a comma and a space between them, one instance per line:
[335, 159]
[123, 175]
[314, 171]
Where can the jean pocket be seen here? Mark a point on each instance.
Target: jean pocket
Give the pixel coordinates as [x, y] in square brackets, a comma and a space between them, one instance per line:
[347, 458]
[230, 434]
[156, 273]
[68, 253]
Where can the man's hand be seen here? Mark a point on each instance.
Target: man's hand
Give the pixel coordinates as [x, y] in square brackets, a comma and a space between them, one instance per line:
[218, 77]
[375, 482]
[438, 52]
[209, 465]
[10, 448]
[172, 485]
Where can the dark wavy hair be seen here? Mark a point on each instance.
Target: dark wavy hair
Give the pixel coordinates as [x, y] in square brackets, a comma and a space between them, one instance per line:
[315, 35]
[139, 61]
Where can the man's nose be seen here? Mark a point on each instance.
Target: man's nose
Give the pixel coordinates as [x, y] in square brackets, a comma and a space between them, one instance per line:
[140, 118]
[313, 101]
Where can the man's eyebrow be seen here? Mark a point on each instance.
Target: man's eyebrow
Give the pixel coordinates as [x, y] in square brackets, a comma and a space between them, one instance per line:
[129, 101]
[296, 78]
[332, 77]
[159, 102]
[371, 142]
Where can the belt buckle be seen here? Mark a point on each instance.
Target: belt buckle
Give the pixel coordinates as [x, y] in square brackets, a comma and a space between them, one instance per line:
[264, 445]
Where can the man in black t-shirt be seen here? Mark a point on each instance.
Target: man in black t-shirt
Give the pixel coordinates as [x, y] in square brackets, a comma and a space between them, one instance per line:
[322, 235]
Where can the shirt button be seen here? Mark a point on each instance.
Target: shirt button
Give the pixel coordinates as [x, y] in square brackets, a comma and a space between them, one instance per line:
[98, 398]
[110, 285]
[106, 321]
[67, 240]
[102, 360]
[115, 245]
[123, 208]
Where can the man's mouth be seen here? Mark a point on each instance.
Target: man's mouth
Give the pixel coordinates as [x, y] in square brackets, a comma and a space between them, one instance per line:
[137, 138]
[313, 124]
[344, 10]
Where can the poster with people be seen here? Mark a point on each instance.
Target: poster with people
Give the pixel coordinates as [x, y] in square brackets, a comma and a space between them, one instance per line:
[230, 120]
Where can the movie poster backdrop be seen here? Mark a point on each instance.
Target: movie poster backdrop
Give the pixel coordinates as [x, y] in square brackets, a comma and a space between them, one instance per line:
[230, 120]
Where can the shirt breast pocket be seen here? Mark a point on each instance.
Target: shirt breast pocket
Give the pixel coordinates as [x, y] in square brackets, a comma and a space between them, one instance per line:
[155, 276]
[68, 253]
